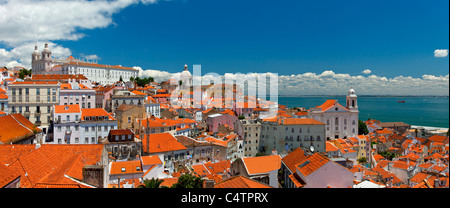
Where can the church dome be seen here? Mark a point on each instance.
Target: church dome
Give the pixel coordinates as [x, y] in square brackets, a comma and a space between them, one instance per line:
[46, 49]
[186, 76]
[351, 92]
[36, 52]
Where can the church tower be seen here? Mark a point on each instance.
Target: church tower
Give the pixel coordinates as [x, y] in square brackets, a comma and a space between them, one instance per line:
[46, 53]
[352, 100]
[35, 55]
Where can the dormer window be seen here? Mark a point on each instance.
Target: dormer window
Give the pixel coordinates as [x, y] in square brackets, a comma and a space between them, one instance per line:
[123, 169]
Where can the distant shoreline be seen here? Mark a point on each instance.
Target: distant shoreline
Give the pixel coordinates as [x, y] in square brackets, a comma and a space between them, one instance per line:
[396, 96]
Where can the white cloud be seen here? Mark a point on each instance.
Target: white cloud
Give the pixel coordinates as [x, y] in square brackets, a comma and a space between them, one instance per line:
[27, 22]
[331, 83]
[441, 53]
[367, 71]
[21, 55]
[91, 57]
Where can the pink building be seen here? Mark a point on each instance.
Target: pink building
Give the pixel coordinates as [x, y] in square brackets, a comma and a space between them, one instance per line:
[244, 108]
[214, 121]
[75, 93]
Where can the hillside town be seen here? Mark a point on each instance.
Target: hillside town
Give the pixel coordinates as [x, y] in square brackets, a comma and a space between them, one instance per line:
[78, 124]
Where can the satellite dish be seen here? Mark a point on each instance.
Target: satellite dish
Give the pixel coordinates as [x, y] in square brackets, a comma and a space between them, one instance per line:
[311, 148]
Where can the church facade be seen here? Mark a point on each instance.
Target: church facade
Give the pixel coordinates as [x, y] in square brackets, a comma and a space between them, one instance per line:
[340, 121]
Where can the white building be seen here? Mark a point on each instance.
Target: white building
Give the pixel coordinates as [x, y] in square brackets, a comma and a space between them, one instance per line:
[43, 63]
[74, 93]
[73, 125]
[287, 134]
[341, 122]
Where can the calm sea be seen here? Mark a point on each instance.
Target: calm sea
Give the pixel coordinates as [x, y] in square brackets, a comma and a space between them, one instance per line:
[420, 111]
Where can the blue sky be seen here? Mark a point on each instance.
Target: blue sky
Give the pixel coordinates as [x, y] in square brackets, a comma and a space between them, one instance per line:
[390, 38]
[395, 40]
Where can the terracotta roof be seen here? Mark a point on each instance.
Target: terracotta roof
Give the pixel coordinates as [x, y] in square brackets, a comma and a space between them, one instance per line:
[240, 182]
[99, 65]
[437, 138]
[15, 127]
[120, 132]
[263, 164]
[7, 176]
[125, 167]
[67, 108]
[57, 76]
[162, 142]
[313, 163]
[151, 160]
[94, 112]
[49, 163]
[33, 83]
[294, 158]
[329, 104]
[330, 147]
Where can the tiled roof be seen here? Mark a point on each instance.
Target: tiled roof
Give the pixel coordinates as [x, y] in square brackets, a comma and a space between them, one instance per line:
[294, 158]
[7, 176]
[67, 108]
[125, 167]
[329, 104]
[57, 76]
[263, 164]
[330, 147]
[151, 160]
[33, 83]
[94, 112]
[240, 182]
[162, 142]
[15, 127]
[99, 65]
[300, 121]
[313, 163]
[49, 163]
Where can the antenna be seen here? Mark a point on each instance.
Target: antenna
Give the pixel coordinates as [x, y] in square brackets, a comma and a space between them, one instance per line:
[311, 148]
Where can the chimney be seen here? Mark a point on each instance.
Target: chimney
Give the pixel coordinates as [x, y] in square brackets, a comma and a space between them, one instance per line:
[93, 175]
[436, 183]
[208, 184]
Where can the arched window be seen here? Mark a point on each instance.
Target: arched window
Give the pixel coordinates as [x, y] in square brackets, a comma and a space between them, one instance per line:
[353, 103]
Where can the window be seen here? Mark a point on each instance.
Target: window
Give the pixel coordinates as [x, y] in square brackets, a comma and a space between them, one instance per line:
[86, 140]
[123, 170]
[77, 140]
[129, 119]
[68, 118]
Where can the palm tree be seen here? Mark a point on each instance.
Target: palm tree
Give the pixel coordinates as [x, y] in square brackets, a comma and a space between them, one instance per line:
[152, 183]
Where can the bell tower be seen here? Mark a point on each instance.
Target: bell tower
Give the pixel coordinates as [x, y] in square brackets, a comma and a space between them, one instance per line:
[352, 100]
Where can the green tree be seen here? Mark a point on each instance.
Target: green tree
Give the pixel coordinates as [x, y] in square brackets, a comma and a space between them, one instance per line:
[152, 183]
[23, 73]
[188, 181]
[362, 160]
[121, 79]
[131, 79]
[362, 128]
[241, 117]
